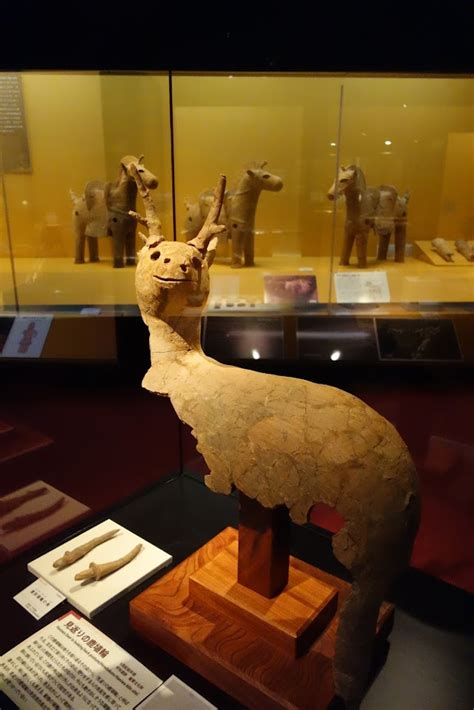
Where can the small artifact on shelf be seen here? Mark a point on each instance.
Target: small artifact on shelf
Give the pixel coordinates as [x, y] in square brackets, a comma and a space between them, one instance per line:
[96, 572]
[103, 211]
[72, 556]
[465, 249]
[9, 504]
[281, 441]
[379, 208]
[441, 247]
[237, 215]
[21, 521]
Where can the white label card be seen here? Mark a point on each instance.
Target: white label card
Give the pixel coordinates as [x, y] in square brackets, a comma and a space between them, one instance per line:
[39, 598]
[69, 664]
[362, 287]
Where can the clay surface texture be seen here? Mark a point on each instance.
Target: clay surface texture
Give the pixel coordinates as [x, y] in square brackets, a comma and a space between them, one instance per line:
[280, 440]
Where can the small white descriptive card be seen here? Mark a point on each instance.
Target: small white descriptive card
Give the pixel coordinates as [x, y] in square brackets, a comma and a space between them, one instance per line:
[39, 598]
[362, 287]
[27, 336]
[71, 664]
[176, 695]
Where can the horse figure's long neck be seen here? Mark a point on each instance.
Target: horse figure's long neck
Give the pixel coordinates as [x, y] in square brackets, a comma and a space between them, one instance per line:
[243, 203]
[357, 199]
[125, 190]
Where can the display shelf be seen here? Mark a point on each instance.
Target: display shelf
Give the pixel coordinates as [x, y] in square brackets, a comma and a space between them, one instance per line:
[57, 281]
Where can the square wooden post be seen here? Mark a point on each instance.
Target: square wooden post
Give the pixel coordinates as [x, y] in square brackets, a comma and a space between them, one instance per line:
[264, 547]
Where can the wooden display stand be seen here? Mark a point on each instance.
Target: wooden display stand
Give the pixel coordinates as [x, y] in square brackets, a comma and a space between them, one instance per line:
[248, 617]
[425, 252]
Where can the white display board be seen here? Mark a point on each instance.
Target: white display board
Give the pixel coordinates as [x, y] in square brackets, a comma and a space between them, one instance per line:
[92, 596]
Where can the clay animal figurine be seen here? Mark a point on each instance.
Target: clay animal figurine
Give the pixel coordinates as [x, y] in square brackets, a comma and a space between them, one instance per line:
[78, 552]
[377, 208]
[465, 249]
[280, 440]
[96, 572]
[238, 214]
[103, 210]
[441, 247]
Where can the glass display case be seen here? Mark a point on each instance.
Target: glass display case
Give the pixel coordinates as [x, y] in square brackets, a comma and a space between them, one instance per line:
[407, 144]
[345, 259]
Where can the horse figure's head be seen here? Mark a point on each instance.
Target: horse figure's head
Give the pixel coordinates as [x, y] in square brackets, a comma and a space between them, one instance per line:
[148, 179]
[172, 276]
[346, 177]
[263, 179]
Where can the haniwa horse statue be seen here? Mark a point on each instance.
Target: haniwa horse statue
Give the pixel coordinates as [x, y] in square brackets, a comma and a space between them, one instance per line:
[378, 208]
[238, 212]
[103, 210]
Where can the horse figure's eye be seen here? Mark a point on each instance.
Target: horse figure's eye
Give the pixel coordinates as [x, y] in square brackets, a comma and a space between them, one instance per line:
[197, 262]
[155, 255]
[266, 176]
[344, 180]
[140, 170]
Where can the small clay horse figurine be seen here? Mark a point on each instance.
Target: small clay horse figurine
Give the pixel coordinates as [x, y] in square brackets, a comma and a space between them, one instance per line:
[103, 210]
[238, 214]
[378, 208]
[281, 441]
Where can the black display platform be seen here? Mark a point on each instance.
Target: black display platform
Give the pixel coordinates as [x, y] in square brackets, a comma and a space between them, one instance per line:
[429, 664]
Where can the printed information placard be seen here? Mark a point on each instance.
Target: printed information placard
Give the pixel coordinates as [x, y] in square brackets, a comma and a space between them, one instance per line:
[72, 665]
[362, 287]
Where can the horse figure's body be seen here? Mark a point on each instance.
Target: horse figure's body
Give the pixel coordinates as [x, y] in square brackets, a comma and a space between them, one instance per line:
[103, 210]
[238, 213]
[378, 208]
[279, 440]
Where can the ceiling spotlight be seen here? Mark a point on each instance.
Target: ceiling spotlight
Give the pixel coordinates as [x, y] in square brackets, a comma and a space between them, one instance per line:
[388, 142]
[335, 355]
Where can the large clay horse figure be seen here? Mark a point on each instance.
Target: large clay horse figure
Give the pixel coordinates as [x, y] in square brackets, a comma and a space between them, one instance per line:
[281, 441]
[103, 210]
[378, 208]
[238, 213]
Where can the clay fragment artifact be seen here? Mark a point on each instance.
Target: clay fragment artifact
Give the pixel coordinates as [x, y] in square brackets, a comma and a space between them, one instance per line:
[96, 572]
[465, 249]
[9, 504]
[441, 247]
[72, 556]
[282, 440]
[22, 521]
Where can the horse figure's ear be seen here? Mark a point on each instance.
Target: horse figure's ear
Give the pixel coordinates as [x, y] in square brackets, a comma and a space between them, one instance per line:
[265, 162]
[141, 159]
[250, 172]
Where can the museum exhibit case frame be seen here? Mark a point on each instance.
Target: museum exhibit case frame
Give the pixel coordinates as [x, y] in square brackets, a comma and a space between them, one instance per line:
[392, 331]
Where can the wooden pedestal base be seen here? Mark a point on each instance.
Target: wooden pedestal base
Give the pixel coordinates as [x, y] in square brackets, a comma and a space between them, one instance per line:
[217, 632]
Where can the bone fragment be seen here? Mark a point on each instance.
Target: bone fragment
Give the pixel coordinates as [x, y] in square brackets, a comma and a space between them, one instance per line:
[97, 572]
[441, 247]
[72, 556]
[9, 504]
[465, 249]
